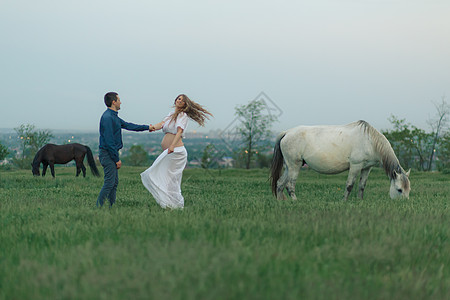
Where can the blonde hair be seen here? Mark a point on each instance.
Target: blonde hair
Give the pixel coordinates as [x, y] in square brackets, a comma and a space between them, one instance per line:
[193, 110]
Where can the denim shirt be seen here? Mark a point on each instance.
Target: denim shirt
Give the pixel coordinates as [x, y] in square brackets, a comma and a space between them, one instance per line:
[111, 132]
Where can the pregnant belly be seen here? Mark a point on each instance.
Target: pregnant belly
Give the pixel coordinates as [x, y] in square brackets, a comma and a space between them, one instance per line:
[168, 140]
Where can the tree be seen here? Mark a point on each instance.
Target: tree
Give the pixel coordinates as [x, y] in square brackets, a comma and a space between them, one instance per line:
[31, 140]
[254, 130]
[207, 156]
[138, 156]
[438, 125]
[409, 143]
[444, 153]
[415, 147]
[400, 139]
[3, 152]
[263, 160]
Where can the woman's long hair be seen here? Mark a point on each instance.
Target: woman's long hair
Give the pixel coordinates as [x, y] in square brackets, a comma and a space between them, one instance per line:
[193, 110]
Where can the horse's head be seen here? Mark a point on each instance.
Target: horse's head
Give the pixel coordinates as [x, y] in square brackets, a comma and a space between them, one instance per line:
[35, 168]
[400, 186]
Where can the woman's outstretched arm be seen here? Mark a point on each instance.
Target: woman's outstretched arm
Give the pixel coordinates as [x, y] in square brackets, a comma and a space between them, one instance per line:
[157, 126]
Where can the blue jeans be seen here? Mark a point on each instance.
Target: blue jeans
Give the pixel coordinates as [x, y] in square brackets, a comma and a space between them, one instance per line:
[111, 180]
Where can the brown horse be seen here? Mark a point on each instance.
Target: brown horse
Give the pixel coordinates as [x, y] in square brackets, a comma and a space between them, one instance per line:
[51, 154]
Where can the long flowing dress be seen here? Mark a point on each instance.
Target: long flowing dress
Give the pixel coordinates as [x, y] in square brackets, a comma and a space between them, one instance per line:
[163, 178]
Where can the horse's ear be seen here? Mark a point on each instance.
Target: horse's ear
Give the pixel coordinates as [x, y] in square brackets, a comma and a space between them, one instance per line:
[396, 174]
[407, 173]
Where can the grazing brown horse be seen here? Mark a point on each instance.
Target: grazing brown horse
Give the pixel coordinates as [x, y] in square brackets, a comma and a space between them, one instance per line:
[52, 154]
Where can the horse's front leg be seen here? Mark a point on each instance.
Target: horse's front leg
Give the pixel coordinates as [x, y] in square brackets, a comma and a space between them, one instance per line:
[44, 169]
[352, 174]
[362, 182]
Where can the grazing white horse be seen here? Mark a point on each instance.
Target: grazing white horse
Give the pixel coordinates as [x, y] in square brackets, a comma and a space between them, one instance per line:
[356, 147]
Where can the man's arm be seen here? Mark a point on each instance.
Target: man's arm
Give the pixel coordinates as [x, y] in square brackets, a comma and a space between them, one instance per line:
[132, 126]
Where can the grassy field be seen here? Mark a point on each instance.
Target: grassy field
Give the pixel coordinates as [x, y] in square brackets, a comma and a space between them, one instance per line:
[233, 240]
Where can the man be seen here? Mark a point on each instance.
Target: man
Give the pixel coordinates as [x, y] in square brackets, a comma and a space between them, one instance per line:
[110, 144]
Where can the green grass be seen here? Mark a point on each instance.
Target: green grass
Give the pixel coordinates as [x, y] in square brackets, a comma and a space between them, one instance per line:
[233, 240]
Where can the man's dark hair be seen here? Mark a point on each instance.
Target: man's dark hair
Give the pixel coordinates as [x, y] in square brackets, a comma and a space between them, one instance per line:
[110, 97]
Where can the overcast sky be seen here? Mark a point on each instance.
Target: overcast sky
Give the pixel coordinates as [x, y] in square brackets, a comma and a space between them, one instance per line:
[319, 61]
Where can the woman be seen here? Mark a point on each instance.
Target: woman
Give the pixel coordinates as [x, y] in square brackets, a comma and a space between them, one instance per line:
[163, 178]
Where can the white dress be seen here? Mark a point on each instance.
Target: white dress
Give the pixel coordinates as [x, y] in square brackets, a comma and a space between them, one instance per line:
[163, 178]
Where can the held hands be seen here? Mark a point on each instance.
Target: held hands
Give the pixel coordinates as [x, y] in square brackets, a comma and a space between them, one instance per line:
[155, 127]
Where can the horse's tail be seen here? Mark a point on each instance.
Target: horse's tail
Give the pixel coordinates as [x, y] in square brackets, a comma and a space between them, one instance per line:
[91, 162]
[277, 163]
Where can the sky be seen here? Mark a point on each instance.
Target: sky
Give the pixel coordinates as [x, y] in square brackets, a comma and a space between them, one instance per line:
[318, 61]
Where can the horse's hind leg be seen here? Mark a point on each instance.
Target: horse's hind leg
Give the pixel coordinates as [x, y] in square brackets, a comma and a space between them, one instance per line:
[83, 168]
[52, 168]
[80, 166]
[294, 169]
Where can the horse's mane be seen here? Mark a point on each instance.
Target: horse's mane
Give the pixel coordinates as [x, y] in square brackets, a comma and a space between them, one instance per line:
[36, 156]
[389, 160]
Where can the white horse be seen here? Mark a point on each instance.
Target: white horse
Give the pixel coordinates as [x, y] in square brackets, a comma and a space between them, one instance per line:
[356, 147]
